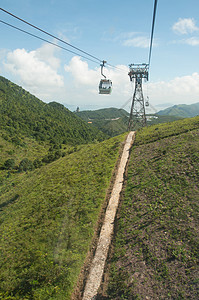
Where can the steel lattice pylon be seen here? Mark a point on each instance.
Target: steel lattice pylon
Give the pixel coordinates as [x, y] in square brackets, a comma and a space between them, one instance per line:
[137, 116]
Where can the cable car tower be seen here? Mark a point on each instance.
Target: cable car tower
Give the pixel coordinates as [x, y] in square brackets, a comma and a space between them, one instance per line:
[137, 116]
[139, 72]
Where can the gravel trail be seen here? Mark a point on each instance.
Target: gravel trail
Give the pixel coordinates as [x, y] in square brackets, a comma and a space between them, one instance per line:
[97, 266]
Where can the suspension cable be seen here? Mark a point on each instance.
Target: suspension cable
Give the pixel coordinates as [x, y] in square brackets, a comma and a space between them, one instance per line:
[114, 67]
[42, 39]
[49, 34]
[152, 31]
[80, 50]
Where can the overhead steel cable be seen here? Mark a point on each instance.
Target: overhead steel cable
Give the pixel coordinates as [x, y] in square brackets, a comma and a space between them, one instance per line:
[42, 39]
[114, 67]
[152, 32]
[56, 45]
[49, 34]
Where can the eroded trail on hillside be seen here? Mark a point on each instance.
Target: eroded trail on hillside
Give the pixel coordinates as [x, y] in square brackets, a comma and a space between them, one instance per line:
[98, 263]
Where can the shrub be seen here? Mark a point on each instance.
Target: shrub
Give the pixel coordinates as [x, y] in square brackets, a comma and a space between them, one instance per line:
[25, 165]
[9, 164]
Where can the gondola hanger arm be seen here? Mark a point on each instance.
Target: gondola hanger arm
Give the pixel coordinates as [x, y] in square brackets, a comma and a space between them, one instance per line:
[102, 65]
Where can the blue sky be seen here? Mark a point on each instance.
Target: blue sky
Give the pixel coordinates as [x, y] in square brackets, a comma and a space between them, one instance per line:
[116, 31]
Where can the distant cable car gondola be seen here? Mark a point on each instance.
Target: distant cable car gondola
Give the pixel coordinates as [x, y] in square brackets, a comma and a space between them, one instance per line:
[105, 85]
[147, 102]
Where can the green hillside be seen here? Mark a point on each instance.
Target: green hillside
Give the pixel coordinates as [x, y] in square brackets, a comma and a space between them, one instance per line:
[114, 121]
[24, 114]
[102, 114]
[111, 121]
[112, 127]
[155, 250]
[157, 119]
[48, 218]
[182, 110]
[52, 190]
[55, 170]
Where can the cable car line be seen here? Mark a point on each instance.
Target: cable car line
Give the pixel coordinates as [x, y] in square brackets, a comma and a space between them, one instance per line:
[22, 20]
[152, 31]
[114, 67]
[51, 35]
[105, 85]
[47, 41]
[42, 39]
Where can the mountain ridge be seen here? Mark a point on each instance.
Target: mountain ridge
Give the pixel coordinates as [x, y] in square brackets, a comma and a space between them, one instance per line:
[181, 110]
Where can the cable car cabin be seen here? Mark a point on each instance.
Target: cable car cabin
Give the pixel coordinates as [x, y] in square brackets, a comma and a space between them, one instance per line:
[105, 86]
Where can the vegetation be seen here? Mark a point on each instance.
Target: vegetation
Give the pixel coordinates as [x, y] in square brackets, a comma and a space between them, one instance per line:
[154, 133]
[112, 127]
[182, 110]
[155, 252]
[102, 114]
[113, 121]
[153, 119]
[52, 189]
[22, 114]
[48, 217]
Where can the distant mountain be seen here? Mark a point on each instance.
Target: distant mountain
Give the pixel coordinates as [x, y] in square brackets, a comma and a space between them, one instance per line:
[24, 114]
[102, 114]
[181, 110]
[73, 107]
[111, 121]
[162, 106]
[114, 121]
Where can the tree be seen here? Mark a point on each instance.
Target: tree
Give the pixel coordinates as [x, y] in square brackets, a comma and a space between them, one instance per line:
[25, 165]
[9, 164]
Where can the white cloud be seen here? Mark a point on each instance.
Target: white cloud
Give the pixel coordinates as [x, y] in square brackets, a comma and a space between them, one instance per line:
[81, 73]
[39, 75]
[86, 82]
[47, 54]
[185, 26]
[179, 90]
[84, 76]
[129, 39]
[140, 42]
[112, 35]
[193, 41]
[37, 70]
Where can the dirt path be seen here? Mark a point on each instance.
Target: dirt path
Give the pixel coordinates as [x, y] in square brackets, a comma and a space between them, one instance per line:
[97, 266]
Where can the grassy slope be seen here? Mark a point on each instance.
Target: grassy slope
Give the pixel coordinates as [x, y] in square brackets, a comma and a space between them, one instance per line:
[156, 245]
[162, 119]
[48, 218]
[29, 148]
